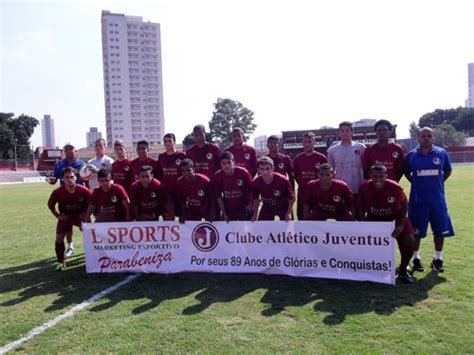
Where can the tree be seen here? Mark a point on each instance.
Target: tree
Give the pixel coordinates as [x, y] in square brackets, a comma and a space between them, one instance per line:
[189, 140]
[447, 136]
[414, 130]
[461, 118]
[229, 114]
[16, 133]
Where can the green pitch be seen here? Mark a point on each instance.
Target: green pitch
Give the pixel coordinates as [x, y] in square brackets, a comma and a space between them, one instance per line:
[229, 313]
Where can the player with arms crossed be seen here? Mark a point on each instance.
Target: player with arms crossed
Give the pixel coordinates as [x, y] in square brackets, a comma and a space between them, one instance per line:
[245, 156]
[381, 199]
[72, 200]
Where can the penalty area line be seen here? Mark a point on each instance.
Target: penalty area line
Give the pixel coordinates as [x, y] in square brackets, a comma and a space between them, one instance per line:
[52, 322]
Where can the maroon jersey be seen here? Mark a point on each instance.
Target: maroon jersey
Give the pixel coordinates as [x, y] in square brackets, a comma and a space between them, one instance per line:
[151, 200]
[233, 189]
[338, 200]
[206, 159]
[170, 170]
[282, 164]
[384, 205]
[391, 156]
[122, 173]
[109, 204]
[274, 195]
[136, 164]
[197, 195]
[245, 157]
[71, 204]
[306, 168]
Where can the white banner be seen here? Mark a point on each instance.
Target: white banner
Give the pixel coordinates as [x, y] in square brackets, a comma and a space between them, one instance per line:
[362, 251]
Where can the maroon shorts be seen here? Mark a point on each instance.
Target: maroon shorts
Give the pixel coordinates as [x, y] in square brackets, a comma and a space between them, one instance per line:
[407, 228]
[322, 216]
[63, 227]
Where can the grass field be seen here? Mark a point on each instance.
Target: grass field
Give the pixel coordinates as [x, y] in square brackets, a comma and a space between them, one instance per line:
[229, 313]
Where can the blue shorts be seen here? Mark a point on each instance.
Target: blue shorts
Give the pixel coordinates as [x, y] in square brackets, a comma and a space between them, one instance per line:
[436, 214]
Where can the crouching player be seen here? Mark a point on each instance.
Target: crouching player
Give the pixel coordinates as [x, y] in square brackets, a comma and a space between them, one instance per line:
[381, 199]
[72, 200]
[327, 198]
[275, 192]
[110, 199]
[149, 198]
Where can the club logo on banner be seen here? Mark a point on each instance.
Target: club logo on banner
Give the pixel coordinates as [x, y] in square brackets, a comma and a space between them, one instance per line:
[205, 237]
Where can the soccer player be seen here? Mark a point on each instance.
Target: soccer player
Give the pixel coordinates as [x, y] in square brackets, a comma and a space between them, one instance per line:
[427, 167]
[70, 160]
[381, 199]
[101, 161]
[305, 168]
[327, 198]
[282, 162]
[383, 152]
[110, 199]
[195, 193]
[121, 168]
[204, 155]
[143, 148]
[72, 200]
[169, 165]
[245, 156]
[148, 197]
[232, 187]
[346, 158]
[275, 192]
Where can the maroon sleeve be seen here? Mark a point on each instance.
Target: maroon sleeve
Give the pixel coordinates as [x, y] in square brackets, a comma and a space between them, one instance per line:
[255, 188]
[93, 200]
[122, 193]
[289, 166]
[289, 189]
[253, 162]
[216, 156]
[366, 162]
[308, 196]
[158, 169]
[400, 162]
[87, 193]
[349, 197]
[296, 171]
[134, 195]
[361, 197]
[53, 199]
[248, 178]
[217, 184]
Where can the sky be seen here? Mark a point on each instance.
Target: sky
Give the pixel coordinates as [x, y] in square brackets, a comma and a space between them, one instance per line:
[297, 64]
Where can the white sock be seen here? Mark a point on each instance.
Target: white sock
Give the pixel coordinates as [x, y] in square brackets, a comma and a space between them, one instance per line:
[438, 255]
[69, 245]
[416, 254]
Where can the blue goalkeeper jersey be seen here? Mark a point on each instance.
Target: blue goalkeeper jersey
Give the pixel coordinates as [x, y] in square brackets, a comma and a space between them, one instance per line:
[62, 164]
[427, 175]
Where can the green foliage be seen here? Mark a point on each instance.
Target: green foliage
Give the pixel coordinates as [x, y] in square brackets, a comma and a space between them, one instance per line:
[461, 118]
[229, 114]
[414, 130]
[16, 132]
[447, 136]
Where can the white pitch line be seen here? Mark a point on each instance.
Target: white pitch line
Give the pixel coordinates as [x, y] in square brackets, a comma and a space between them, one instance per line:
[52, 322]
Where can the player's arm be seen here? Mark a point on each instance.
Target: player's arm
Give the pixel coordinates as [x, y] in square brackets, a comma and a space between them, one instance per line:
[255, 204]
[400, 223]
[126, 207]
[447, 168]
[89, 211]
[361, 205]
[446, 175]
[350, 202]
[220, 203]
[291, 201]
[400, 165]
[407, 168]
[306, 209]
[52, 205]
[366, 163]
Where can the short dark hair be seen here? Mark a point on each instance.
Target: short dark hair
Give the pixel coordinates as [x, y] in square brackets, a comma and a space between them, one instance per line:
[170, 135]
[103, 173]
[378, 167]
[226, 155]
[199, 127]
[68, 169]
[238, 129]
[265, 160]
[143, 142]
[273, 137]
[145, 168]
[119, 143]
[309, 135]
[326, 166]
[187, 163]
[383, 123]
[345, 123]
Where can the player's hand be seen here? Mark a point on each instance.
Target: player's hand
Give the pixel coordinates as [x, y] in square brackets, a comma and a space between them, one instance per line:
[288, 217]
[396, 232]
[62, 217]
[225, 217]
[181, 219]
[254, 217]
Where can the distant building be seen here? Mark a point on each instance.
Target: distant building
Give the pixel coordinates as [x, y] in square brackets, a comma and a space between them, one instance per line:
[260, 145]
[365, 122]
[133, 86]
[92, 136]
[470, 84]
[47, 129]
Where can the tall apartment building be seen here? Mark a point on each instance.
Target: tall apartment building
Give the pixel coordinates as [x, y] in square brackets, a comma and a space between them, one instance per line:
[470, 83]
[131, 51]
[92, 136]
[47, 129]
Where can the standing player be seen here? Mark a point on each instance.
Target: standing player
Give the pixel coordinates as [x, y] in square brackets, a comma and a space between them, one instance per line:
[282, 162]
[383, 152]
[169, 165]
[381, 199]
[143, 148]
[204, 155]
[195, 193]
[101, 161]
[346, 158]
[110, 199]
[70, 160]
[327, 198]
[427, 168]
[305, 168]
[275, 192]
[121, 168]
[232, 187]
[148, 197]
[72, 200]
[245, 156]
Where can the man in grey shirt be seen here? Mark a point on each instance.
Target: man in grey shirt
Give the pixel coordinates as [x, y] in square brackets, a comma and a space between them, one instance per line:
[346, 158]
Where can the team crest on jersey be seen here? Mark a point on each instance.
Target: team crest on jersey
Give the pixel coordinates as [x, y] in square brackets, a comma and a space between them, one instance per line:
[336, 198]
[276, 193]
[126, 168]
[281, 166]
[395, 155]
[247, 156]
[390, 199]
[200, 193]
[240, 183]
[436, 161]
[317, 165]
[114, 199]
[152, 194]
[209, 156]
[177, 162]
